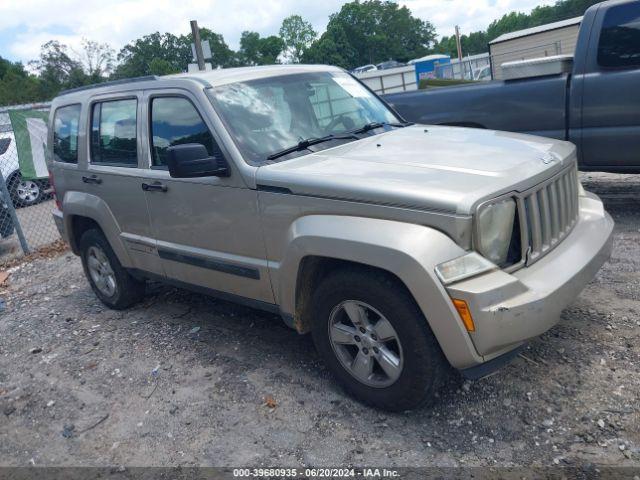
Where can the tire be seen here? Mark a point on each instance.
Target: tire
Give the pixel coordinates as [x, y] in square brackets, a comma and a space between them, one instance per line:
[25, 193]
[115, 287]
[422, 366]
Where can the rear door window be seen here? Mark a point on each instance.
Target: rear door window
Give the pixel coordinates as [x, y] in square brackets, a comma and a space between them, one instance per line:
[619, 45]
[65, 134]
[114, 133]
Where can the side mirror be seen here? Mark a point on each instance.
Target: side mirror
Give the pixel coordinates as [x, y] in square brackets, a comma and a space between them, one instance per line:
[191, 160]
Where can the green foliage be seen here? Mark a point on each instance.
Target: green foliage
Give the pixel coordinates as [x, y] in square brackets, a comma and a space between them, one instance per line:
[255, 50]
[164, 53]
[60, 68]
[333, 48]
[472, 44]
[57, 69]
[297, 35]
[96, 59]
[160, 66]
[10, 68]
[17, 85]
[371, 32]
[270, 49]
[168, 51]
[249, 53]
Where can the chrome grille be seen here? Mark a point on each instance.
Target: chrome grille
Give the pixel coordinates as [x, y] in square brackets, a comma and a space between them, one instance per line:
[547, 214]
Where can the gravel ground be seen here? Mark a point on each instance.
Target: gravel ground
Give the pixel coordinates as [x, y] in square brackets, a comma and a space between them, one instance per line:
[186, 380]
[38, 227]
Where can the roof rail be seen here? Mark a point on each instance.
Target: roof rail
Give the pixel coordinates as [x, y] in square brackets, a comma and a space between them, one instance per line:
[109, 83]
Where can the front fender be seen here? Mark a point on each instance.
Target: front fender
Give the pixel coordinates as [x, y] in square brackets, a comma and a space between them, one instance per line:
[409, 251]
[90, 206]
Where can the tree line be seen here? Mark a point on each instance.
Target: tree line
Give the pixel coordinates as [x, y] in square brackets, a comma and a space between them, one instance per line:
[362, 32]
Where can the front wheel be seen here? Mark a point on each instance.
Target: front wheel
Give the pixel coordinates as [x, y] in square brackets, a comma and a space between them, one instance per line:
[375, 340]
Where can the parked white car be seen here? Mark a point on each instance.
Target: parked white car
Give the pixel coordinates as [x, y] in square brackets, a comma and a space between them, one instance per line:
[365, 68]
[24, 193]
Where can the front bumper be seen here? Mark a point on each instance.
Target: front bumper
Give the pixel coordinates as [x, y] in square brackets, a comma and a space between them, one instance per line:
[509, 309]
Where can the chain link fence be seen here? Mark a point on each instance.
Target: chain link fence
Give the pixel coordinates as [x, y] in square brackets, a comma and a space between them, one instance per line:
[476, 67]
[26, 198]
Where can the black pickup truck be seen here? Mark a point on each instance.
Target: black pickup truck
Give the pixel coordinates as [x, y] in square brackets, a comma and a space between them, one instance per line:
[596, 105]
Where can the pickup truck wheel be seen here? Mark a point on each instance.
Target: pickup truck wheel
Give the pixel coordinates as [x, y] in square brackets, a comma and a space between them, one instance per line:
[111, 283]
[375, 340]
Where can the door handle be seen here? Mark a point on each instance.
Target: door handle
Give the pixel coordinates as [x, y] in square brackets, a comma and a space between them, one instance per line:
[92, 179]
[154, 187]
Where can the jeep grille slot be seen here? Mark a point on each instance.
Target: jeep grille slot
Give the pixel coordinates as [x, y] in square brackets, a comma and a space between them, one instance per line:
[550, 212]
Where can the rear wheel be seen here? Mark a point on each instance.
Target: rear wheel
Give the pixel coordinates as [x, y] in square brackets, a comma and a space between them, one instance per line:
[375, 340]
[111, 283]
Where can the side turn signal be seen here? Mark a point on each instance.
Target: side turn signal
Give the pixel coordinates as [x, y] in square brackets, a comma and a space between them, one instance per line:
[465, 314]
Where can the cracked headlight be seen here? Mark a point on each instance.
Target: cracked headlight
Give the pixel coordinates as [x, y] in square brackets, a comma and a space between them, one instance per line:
[466, 266]
[494, 230]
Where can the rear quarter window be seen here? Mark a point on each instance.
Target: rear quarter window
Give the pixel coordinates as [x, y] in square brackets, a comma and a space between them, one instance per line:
[65, 134]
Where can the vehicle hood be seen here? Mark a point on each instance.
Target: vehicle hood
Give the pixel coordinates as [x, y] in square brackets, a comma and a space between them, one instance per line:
[437, 168]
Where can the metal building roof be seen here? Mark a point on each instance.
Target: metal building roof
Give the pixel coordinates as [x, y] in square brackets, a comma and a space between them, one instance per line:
[540, 29]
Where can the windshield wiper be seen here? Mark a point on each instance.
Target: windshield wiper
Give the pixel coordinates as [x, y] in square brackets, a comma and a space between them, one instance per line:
[351, 135]
[373, 125]
[306, 143]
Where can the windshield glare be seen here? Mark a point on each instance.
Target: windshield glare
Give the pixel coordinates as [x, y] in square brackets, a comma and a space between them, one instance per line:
[268, 115]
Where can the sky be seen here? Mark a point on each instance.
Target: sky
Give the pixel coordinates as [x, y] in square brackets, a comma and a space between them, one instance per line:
[26, 24]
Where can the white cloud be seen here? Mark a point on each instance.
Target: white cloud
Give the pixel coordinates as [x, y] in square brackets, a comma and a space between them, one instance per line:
[117, 22]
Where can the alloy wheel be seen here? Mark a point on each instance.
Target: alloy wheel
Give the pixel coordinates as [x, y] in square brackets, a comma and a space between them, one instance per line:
[27, 191]
[101, 272]
[365, 343]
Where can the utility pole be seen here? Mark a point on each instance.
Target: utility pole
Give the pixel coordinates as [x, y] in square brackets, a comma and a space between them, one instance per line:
[458, 44]
[195, 32]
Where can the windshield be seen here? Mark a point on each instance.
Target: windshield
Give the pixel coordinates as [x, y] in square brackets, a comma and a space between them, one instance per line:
[268, 115]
